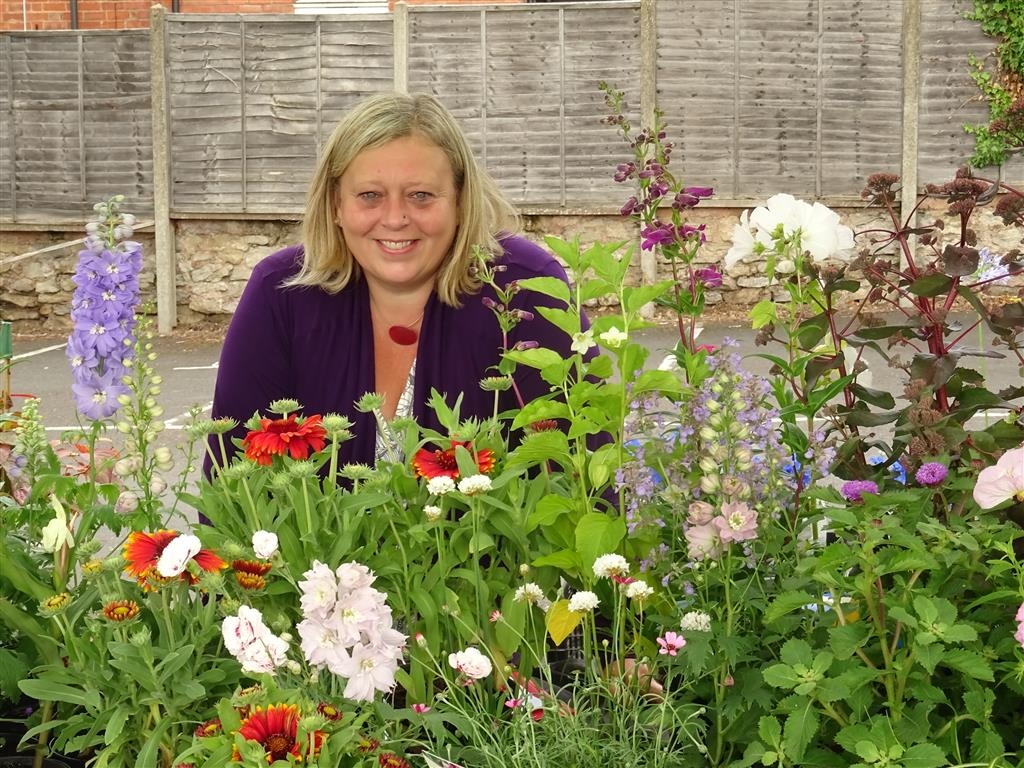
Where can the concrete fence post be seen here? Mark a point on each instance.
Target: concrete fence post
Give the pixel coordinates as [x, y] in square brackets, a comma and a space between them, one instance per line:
[400, 31]
[163, 230]
[911, 108]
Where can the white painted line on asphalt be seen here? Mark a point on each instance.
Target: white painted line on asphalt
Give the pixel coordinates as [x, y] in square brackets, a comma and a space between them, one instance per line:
[42, 351]
[196, 367]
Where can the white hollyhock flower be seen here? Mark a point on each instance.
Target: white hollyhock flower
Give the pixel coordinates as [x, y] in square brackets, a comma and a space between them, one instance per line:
[264, 544]
[176, 555]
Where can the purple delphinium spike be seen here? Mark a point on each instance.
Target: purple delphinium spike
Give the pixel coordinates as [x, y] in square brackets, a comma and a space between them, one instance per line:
[103, 312]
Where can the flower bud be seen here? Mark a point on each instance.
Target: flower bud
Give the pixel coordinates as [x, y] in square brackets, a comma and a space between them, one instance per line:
[709, 483]
[708, 465]
[124, 399]
[157, 485]
[707, 433]
[123, 427]
[162, 454]
[126, 503]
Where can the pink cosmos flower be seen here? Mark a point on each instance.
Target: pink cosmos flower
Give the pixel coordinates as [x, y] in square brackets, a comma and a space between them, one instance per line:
[671, 643]
[1004, 480]
[420, 709]
[1019, 634]
[738, 522]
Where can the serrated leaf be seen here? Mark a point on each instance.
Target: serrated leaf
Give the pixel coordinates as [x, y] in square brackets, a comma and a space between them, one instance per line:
[970, 663]
[781, 676]
[928, 656]
[763, 313]
[560, 621]
[845, 640]
[796, 651]
[785, 604]
[986, 746]
[770, 731]
[799, 730]
[924, 756]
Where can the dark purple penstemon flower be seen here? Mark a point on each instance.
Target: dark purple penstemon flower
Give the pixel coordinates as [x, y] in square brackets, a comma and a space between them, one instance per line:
[690, 196]
[709, 277]
[656, 235]
[103, 312]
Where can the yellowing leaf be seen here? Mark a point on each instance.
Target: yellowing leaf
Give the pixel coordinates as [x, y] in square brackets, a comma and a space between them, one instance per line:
[561, 621]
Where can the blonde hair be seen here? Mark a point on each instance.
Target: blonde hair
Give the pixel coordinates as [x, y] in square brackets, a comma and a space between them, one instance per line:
[483, 212]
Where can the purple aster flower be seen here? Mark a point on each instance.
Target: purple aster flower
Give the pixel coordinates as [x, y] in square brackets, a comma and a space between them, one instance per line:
[854, 490]
[931, 473]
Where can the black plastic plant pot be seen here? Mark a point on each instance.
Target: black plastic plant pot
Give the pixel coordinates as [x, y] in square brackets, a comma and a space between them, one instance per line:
[25, 761]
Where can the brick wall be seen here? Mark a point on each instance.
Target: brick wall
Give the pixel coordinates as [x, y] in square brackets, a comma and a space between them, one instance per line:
[116, 14]
[134, 14]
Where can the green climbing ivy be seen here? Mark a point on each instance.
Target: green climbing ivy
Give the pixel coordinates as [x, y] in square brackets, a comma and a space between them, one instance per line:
[1004, 132]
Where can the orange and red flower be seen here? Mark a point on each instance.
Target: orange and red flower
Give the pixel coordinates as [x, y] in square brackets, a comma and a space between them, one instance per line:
[329, 711]
[276, 437]
[250, 573]
[211, 727]
[437, 463]
[142, 552]
[391, 760]
[276, 730]
[121, 610]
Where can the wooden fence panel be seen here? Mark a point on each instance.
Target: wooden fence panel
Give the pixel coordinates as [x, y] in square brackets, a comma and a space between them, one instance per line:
[802, 96]
[78, 126]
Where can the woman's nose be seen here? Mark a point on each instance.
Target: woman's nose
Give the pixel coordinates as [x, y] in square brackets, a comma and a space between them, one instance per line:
[394, 213]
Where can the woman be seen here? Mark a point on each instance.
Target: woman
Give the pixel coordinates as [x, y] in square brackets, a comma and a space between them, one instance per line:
[381, 297]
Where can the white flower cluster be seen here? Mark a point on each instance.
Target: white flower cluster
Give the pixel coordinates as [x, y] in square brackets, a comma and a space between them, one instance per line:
[639, 590]
[474, 485]
[471, 663]
[264, 544]
[348, 628]
[532, 593]
[440, 485]
[583, 601]
[250, 641]
[695, 621]
[607, 566]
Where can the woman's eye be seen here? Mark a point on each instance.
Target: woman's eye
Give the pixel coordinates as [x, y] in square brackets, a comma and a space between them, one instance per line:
[368, 196]
[421, 196]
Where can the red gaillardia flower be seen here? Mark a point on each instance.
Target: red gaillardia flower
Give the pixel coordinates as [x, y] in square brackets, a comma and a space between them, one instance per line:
[276, 729]
[276, 437]
[391, 760]
[437, 463]
[249, 573]
[142, 552]
[121, 610]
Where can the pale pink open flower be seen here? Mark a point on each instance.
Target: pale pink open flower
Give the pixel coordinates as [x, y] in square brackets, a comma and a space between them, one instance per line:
[1002, 481]
[738, 522]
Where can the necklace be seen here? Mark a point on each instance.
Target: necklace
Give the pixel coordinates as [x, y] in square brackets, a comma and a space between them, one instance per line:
[405, 335]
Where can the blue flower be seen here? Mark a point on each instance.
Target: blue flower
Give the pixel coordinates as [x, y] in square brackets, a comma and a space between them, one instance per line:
[899, 473]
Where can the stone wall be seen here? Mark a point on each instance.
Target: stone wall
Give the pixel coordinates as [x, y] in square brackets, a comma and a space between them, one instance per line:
[215, 259]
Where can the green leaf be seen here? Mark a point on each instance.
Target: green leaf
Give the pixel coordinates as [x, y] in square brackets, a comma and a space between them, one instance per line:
[930, 285]
[928, 656]
[763, 313]
[845, 640]
[970, 663]
[565, 560]
[46, 690]
[798, 731]
[785, 604]
[986, 746]
[781, 676]
[770, 731]
[924, 756]
[598, 534]
[549, 286]
[797, 651]
[547, 511]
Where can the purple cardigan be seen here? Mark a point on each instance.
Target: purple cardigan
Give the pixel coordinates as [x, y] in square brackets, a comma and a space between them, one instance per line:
[317, 347]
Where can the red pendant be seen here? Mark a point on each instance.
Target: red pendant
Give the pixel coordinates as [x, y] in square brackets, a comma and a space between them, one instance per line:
[402, 335]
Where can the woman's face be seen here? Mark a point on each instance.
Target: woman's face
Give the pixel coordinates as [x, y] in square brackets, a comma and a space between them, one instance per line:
[397, 207]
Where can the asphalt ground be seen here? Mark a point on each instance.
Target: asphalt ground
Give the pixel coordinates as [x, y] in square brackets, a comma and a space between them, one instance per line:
[187, 362]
